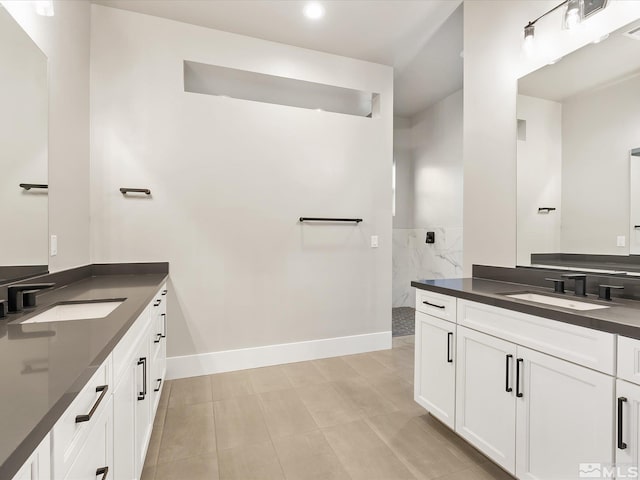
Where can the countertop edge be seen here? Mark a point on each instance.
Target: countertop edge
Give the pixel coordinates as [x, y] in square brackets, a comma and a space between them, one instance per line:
[540, 311]
[25, 449]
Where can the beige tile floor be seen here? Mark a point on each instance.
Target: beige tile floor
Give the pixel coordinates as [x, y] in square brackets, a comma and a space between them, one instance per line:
[349, 417]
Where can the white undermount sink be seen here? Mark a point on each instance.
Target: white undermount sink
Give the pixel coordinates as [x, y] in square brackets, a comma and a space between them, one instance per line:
[557, 302]
[75, 311]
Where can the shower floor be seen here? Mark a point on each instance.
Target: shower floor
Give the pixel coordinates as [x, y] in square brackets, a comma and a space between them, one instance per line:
[403, 322]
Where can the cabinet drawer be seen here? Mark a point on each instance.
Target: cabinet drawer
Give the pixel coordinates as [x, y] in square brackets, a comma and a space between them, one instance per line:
[629, 359]
[434, 304]
[584, 346]
[70, 432]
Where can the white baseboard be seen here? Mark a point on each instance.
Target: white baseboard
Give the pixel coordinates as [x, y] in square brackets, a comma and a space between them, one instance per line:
[241, 359]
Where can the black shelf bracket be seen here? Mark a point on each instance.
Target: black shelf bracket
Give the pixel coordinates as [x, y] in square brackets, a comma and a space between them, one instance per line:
[321, 219]
[29, 186]
[146, 191]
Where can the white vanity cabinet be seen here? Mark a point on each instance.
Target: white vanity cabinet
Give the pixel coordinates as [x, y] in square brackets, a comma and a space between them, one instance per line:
[627, 439]
[140, 360]
[435, 355]
[105, 432]
[158, 346]
[534, 395]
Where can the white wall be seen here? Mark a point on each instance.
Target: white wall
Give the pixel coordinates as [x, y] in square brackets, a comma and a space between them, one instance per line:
[437, 151]
[23, 136]
[403, 160]
[493, 61]
[435, 162]
[539, 177]
[599, 128]
[64, 38]
[229, 179]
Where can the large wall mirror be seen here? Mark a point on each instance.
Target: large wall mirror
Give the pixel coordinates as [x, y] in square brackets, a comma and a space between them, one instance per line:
[578, 160]
[23, 153]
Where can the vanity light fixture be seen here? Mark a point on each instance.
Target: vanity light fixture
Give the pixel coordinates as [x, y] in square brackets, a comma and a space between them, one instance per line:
[576, 11]
[44, 7]
[313, 11]
[573, 14]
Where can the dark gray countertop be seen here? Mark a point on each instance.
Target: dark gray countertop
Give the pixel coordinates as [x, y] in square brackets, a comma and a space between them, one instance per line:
[622, 316]
[43, 366]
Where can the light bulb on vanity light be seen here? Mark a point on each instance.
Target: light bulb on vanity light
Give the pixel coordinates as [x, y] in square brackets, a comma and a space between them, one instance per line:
[44, 7]
[529, 34]
[573, 14]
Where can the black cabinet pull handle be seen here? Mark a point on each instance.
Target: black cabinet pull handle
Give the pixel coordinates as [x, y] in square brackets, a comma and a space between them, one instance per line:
[621, 444]
[164, 321]
[157, 389]
[104, 471]
[449, 339]
[158, 338]
[519, 393]
[85, 418]
[433, 304]
[164, 292]
[158, 302]
[508, 387]
[143, 393]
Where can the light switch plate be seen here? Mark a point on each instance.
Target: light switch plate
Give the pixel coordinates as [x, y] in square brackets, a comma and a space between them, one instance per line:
[54, 245]
[374, 241]
[620, 241]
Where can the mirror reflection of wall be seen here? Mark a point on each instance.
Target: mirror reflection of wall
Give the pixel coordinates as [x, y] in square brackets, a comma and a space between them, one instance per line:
[578, 121]
[23, 153]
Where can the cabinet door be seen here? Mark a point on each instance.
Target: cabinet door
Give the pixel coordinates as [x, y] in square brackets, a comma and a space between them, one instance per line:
[564, 417]
[124, 408]
[142, 394]
[485, 400]
[627, 443]
[435, 374]
[95, 458]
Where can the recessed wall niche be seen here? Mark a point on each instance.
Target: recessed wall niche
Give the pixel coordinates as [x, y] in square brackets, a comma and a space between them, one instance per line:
[259, 87]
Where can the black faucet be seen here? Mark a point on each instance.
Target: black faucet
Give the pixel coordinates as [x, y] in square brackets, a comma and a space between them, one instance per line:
[580, 288]
[24, 295]
[604, 291]
[558, 284]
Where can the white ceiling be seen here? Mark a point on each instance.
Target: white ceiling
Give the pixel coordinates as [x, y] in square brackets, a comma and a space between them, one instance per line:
[405, 34]
[588, 68]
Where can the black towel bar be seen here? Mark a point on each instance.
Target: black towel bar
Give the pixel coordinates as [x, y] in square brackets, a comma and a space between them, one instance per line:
[29, 186]
[319, 219]
[146, 191]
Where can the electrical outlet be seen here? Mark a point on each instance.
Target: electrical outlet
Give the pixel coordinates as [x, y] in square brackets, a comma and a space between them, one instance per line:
[374, 241]
[54, 245]
[620, 241]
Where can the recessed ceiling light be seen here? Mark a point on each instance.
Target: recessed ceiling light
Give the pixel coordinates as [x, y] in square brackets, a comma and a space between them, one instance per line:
[313, 11]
